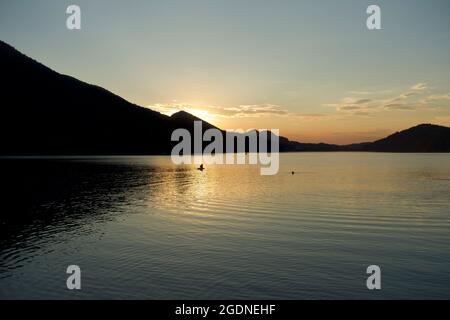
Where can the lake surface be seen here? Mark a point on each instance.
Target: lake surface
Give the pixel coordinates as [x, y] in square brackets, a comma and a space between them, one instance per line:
[143, 228]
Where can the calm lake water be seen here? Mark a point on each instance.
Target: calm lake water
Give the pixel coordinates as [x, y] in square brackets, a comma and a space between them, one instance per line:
[143, 228]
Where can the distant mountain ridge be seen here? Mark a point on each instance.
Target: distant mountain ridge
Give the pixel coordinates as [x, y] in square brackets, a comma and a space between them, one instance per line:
[47, 113]
[421, 138]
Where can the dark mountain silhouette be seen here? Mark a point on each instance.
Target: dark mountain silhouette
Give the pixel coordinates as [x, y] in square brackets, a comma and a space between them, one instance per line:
[47, 113]
[421, 138]
[187, 120]
[290, 146]
[187, 117]
[44, 112]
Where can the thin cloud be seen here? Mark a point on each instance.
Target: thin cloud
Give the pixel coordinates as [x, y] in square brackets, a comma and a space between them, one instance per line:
[349, 108]
[241, 111]
[437, 97]
[419, 86]
[255, 110]
[399, 106]
[408, 100]
[362, 101]
[352, 104]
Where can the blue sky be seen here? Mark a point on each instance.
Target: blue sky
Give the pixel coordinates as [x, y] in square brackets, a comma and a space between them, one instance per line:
[310, 68]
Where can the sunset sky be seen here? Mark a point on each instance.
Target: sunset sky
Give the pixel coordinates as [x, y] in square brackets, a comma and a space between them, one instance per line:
[309, 68]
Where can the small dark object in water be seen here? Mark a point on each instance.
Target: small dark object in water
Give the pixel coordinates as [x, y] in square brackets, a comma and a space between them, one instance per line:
[293, 172]
[201, 168]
